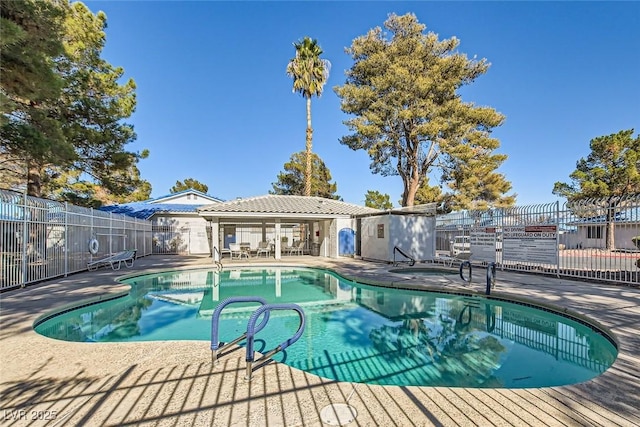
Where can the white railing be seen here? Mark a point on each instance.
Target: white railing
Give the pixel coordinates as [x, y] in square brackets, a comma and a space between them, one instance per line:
[41, 239]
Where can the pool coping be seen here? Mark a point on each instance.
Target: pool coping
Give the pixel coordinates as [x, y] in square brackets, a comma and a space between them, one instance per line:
[113, 384]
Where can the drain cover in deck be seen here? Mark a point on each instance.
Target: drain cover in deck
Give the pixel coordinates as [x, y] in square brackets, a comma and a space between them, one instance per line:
[338, 414]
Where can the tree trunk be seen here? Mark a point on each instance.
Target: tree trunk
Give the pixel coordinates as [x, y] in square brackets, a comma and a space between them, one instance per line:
[409, 194]
[34, 182]
[307, 169]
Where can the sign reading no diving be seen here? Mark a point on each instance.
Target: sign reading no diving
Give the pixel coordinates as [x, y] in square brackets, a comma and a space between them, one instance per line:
[530, 243]
[531, 232]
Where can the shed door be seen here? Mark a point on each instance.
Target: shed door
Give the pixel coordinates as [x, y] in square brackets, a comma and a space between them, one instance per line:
[346, 239]
[229, 235]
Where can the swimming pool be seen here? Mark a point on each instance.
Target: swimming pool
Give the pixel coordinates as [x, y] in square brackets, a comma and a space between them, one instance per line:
[354, 332]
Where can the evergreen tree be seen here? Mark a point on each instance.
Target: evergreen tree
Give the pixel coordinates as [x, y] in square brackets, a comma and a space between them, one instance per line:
[63, 107]
[94, 106]
[30, 133]
[291, 180]
[375, 199]
[427, 193]
[605, 179]
[409, 117]
[187, 184]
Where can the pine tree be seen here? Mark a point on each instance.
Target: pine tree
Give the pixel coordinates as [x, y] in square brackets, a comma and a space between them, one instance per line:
[402, 90]
[291, 180]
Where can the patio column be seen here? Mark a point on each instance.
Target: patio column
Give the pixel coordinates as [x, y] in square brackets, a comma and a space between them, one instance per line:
[215, 238]
[333, 238]
[278, 246]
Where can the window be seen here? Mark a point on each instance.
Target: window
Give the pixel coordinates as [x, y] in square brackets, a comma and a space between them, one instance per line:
[594, 232]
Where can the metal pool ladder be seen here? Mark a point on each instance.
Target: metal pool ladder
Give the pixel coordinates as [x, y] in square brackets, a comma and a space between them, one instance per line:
[216, 260]
[491, 275]
[264, 312]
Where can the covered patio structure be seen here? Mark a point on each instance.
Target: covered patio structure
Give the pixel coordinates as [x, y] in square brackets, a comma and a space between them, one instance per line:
[290, 224]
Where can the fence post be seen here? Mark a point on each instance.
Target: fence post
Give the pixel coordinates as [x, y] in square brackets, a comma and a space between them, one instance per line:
[66, 239]
[25, 240]
[92, 232]
[110, 232]
[557, 221]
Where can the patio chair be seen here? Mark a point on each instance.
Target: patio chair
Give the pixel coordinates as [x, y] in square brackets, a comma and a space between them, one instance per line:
[246, 247]
[286, 249]
[450, 260]
[263, 248]
[223, 251]
[237, 251]
[115, 261]
[298, 248]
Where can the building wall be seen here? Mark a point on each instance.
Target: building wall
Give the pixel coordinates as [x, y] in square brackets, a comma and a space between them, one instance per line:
[183, 234]
[413, 234]
[373, 246]
[622, 237]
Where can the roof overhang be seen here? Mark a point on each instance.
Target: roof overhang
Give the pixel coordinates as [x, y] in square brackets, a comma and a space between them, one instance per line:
[283, 208]
[253, 216]
[427, 209]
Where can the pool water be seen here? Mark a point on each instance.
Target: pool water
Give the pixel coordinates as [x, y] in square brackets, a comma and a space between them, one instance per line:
[354, 332]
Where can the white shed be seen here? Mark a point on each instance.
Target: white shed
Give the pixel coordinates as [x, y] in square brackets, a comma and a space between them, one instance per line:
[399, 234]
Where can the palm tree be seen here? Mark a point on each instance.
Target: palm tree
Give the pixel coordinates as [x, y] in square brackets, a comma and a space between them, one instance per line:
[309, 73]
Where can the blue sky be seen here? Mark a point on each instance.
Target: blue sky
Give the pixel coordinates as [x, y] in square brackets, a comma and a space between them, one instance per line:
[215, 103]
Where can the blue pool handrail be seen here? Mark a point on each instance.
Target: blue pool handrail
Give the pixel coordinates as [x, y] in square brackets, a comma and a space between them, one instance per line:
[252, 329]
[215, 322]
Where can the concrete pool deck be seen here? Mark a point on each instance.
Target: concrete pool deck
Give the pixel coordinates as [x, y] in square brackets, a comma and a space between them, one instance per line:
[175, 383]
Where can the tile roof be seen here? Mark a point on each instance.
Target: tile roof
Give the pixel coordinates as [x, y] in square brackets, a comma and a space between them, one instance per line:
[280, 204]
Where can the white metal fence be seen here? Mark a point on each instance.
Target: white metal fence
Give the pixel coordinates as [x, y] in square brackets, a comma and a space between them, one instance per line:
[594, 239]
[170, 239]
[182, 239]
[41, 239]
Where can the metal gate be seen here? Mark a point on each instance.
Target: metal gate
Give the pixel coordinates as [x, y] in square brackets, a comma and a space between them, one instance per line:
[170, 239]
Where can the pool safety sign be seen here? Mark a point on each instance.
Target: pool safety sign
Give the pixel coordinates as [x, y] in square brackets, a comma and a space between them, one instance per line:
[530, 243]
[483, 244]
